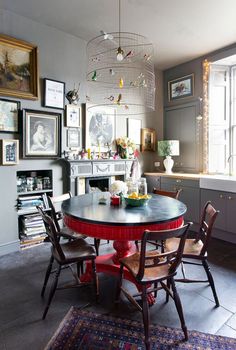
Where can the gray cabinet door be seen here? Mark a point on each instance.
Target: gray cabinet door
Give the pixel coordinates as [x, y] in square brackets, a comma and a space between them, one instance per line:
[152, 181]
[181, 124]
[190, 196]
[219, 201]
[231, 212]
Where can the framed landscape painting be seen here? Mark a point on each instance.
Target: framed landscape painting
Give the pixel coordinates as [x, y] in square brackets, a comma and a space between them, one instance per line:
[41, 134]
[18, 68]
[181, 87]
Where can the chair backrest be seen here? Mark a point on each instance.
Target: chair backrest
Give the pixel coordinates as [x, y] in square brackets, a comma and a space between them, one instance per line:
[208, 218]
[150, 259]
[55, 212]
[52, 232]
[167, 193]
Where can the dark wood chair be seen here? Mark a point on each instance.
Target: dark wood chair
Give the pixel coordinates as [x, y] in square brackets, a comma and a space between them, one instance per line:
[171, 194]
[195, 250]
[153, 268]
[58, 217]
[174, 194]
[66, 254]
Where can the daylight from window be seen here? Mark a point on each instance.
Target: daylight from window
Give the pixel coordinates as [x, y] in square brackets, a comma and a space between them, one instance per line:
[222, 117]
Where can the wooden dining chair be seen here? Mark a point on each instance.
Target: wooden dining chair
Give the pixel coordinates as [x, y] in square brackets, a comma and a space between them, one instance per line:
[57, 216]
[153, 268]
[195, 250]
[171, 194]
[73, 252]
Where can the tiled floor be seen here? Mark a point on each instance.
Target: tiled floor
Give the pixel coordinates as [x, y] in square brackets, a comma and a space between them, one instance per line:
[21, 307]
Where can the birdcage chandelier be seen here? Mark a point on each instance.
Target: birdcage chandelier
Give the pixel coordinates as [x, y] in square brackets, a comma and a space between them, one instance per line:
[120, 73]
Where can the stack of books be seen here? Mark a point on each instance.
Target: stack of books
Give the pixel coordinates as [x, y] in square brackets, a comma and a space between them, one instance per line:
[32, 230]
[26, 204]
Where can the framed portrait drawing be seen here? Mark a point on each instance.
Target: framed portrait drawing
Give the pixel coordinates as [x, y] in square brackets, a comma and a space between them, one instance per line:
[134, 130]
[9, 152]
[73, 138]
[54, 94]
[41, 134]
[19, 73]
[9, 111]
[148, 137]
[100, 128]
[181, 88]
[73, 116]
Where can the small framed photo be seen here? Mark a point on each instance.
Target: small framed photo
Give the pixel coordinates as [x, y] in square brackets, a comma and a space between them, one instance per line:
[54, 94]
[10, 152]
[9, 110]
[73, 138]
[134, 130]
[73, 116]
[181, 88]
[41, 134]
[148, 137]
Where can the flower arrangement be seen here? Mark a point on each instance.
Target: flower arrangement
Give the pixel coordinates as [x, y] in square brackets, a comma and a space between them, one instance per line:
[124, 146]
[118, 188]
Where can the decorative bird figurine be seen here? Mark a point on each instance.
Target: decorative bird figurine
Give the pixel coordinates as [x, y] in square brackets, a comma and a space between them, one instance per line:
[119, 99]
[121, 83]
[73, 95]
[94, 76]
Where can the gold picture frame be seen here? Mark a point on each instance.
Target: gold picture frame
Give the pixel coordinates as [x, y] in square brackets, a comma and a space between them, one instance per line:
[9, 152]
[18, 68]
[148, 140]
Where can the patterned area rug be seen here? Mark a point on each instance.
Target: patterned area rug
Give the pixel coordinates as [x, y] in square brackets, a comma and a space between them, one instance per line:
[90, 331]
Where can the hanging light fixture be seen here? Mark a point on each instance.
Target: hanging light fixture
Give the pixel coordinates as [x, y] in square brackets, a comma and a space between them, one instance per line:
[121, 72]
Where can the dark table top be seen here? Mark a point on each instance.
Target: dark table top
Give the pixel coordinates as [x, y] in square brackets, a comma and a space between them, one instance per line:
[159, 209]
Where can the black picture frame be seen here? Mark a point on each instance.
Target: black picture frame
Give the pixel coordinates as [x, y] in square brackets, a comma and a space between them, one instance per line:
[41, 134]
[9, 115]
[181, 88]
[54, 93]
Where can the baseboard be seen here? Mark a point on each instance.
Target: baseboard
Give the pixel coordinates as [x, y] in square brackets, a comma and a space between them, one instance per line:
[224, 236]
[9, 247]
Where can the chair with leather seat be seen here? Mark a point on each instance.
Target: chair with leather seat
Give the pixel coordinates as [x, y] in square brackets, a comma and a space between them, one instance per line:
[57, 216]
[66, 254]
[153, 268]
[195, 250]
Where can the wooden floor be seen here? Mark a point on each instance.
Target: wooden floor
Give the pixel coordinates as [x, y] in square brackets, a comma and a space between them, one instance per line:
[21, 277]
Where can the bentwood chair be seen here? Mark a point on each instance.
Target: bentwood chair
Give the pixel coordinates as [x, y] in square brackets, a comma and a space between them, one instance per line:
[57, 216]
[66, 254]
[153, 268]
[195, 250]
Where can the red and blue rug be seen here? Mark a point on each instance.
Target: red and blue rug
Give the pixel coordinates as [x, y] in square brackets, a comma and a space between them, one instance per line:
[90, 331]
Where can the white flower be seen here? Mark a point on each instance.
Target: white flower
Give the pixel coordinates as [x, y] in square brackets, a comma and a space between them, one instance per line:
[118, 187]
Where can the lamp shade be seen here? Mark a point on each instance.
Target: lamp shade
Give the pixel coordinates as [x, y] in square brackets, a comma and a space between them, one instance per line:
[168, 148]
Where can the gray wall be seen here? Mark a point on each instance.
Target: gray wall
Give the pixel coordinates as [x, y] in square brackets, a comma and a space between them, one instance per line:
[61, 57]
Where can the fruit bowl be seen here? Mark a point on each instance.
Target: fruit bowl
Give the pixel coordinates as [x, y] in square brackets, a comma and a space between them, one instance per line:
[138, 201]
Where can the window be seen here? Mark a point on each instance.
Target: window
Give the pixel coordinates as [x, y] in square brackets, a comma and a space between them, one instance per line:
[222, 118]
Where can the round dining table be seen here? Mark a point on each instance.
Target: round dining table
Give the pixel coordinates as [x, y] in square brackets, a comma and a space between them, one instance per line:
[93, 215]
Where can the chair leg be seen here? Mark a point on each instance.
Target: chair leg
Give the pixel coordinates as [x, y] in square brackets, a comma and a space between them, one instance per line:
[179, 308]
[52, 291]
[95, 280]
[211, 281]
[167, 294]
[183, 270]
[137, 246]
[49, 269]
[97, 245]
[119, 284]
[146, 317]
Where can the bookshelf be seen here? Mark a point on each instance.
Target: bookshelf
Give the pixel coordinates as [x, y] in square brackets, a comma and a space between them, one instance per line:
[33, 186]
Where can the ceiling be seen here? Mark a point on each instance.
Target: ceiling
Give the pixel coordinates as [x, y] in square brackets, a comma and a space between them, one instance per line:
[180, 30]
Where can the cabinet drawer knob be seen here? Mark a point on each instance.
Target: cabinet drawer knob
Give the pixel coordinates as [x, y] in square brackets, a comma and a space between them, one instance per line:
[221, 196]
[230, 198]
[178, 181]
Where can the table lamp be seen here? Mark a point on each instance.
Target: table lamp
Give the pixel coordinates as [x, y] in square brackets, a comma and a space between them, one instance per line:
[168, 148]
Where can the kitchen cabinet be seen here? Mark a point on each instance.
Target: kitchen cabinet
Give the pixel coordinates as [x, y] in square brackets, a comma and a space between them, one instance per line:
[225, 202]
